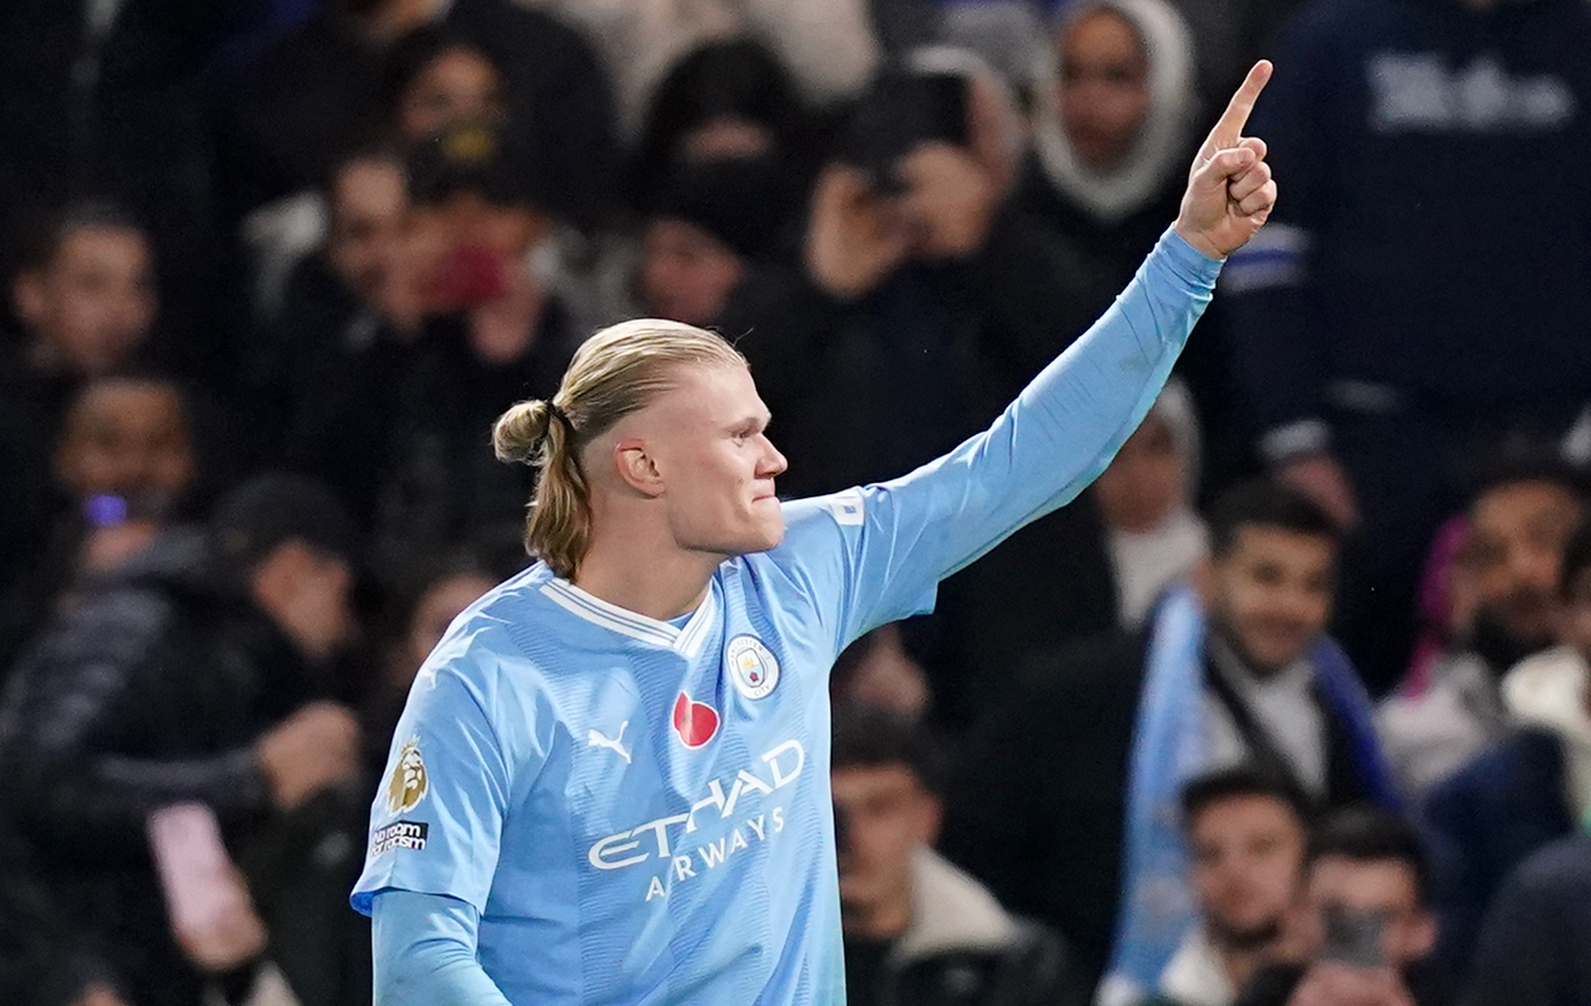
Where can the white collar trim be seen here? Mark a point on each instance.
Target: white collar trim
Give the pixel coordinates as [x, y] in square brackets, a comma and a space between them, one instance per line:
[686, 641]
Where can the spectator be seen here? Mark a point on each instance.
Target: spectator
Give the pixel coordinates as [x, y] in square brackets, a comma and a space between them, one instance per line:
[1146, 497]
[1113, 118]
[312, 95]
[918, 930]
[728, 100]
[422, 611]
[1246, 830]
[1533, 947]
[1069, 803]
[1348, 268]
[83, 293]
[706, 232]
[1368, 919]
[335, 300]
[188, 675]
[430, 80]
[934, 298]
[1114, 114]
[125, 466]
[1528, 788]
[1517, 525]
[913, 247]
[830, 45]
[397, 428]
[109, 99]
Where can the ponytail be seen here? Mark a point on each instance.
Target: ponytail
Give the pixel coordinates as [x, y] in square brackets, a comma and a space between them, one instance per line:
[558, 527]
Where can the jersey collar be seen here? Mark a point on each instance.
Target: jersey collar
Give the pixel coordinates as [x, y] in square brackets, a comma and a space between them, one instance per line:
[687, 641]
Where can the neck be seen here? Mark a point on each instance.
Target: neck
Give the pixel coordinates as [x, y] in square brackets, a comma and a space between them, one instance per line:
[1238, 964]
[1227, 653]
[1240, 956]
[647, 577]
[885, 920]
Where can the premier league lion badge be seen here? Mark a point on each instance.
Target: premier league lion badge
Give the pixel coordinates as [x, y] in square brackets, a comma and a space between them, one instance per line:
[409, 781]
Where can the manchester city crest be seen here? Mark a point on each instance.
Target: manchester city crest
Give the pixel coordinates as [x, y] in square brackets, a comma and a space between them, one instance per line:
[752, 667]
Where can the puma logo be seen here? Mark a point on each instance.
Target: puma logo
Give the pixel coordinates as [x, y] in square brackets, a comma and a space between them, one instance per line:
[614, 744]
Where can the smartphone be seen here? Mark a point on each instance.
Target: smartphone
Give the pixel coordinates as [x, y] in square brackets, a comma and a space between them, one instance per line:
[1354, 937]
[196, 873]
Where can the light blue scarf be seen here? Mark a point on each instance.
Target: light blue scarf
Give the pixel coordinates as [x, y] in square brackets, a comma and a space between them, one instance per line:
[1169, 749]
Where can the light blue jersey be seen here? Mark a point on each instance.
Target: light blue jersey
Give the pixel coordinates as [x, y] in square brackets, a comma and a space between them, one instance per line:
[638, 810]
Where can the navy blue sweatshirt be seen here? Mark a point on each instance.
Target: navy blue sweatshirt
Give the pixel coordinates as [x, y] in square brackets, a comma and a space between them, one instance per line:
[1433, 232]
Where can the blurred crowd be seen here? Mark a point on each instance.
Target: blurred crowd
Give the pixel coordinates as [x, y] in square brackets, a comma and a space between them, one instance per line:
[1290, 707]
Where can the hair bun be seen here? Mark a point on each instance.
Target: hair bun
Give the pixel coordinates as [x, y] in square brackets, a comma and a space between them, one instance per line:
[519, 433]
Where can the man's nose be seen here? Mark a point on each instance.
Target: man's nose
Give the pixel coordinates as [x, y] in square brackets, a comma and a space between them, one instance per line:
[774, 463]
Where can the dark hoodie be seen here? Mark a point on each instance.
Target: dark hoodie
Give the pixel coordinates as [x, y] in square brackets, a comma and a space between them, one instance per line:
[150, 690]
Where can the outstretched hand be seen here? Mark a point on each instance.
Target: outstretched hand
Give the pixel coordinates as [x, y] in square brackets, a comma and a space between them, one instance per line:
[1230, 190]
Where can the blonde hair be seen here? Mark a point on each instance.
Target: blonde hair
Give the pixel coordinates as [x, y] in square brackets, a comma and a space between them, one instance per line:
[618, 371]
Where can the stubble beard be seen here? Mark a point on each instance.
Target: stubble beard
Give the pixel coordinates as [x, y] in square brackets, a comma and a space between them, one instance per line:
[1246, 939]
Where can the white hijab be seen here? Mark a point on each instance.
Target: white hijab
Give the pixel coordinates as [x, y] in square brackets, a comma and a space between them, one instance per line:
[1148, 562]
[1161, 146]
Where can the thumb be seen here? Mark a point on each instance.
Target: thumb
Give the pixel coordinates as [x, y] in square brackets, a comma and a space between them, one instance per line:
[1215, 172]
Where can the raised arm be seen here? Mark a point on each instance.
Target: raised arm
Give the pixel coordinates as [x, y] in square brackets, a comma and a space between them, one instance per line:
[1064, 428]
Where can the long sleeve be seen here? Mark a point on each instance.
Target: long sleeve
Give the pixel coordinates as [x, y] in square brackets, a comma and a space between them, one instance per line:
[424, 946]
[899, 539]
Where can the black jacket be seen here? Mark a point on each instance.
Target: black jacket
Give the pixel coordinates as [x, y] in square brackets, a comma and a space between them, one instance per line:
[149, 691]
[402, 432]
[962, 949]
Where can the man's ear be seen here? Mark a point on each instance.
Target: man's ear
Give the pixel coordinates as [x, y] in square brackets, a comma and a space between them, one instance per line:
[637, 468]
[1424, 935]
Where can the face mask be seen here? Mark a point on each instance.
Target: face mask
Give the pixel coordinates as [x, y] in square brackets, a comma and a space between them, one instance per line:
[468, 276]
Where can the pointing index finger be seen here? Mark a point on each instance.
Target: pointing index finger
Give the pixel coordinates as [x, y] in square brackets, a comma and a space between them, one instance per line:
[1230, 128]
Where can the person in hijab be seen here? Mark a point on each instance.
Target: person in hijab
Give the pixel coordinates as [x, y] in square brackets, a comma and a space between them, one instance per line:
[1113, 114]
[1146, 499]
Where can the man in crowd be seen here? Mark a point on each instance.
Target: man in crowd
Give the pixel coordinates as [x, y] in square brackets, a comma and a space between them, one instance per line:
[918, 930]
[83, 295]
[1246, 832]
[189, 676]
[339, 298]
[1366, 322]
[395, 427]
[1508, 572]
[1070, 806]
[938, 296]
[125, 465]
[1529, 788]
[1368, 920]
